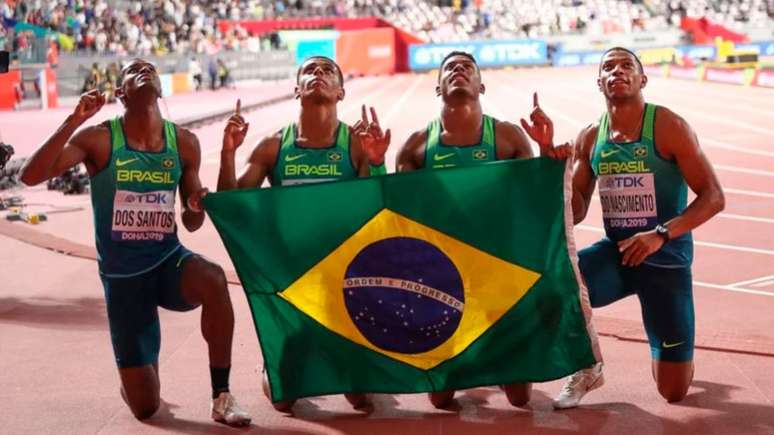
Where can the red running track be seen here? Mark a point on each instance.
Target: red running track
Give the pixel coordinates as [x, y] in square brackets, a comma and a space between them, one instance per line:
[56, 364]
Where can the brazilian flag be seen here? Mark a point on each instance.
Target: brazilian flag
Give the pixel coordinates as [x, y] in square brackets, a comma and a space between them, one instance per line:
[412, 282]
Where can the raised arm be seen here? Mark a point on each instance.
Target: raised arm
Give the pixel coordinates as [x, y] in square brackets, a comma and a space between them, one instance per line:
[233, 136]
[61, 152]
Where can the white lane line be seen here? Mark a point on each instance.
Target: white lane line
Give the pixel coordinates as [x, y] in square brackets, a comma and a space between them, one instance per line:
[764, 283]
[742, 217]
[748, 192]
[732, 289]
[725, 145]
[748, 171]
[751, 281]
[698, 243]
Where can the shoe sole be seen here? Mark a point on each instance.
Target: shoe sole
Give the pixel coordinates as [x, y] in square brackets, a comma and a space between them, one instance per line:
[238, 424]
[600, 381]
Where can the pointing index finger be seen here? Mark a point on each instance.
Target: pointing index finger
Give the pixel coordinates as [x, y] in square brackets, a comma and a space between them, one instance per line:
[535, 100]
[239, 106]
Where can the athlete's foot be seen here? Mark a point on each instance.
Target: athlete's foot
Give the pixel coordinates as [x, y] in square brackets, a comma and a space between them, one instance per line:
[225, 410]
[441, 399]
[357, 400]
[577, 385]
[518, 394]
[284, 405]
[281, 406]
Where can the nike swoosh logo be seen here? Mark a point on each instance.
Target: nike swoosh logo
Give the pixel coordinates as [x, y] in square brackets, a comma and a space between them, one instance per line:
[666, 345]
[291, 158]
[120, 162]
[606, 154]
[438, 158]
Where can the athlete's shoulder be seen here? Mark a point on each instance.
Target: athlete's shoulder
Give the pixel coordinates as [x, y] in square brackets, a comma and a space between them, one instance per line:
[93, 135]
[186, 137]
[416, 141]
[266, 150]
[665, 118]
[512, 142]
[412, 154]
[586, 140]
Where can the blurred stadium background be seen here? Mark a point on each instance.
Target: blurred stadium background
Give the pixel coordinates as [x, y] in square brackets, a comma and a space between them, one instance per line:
[60, 48]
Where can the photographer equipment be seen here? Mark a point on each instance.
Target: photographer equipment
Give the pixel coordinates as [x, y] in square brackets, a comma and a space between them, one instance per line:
[6, 151]
[74, 181]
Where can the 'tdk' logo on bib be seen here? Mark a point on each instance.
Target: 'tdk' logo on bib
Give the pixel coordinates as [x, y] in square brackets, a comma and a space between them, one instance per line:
[404, 295]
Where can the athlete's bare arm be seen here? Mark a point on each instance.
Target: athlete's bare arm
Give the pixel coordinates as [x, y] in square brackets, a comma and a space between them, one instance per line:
[583, 179]
[63, 150]
[261, 162]
[412, 155]
[511, 142]
[190, 184]
[676, 140]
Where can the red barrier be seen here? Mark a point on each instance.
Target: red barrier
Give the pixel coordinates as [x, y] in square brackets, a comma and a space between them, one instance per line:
[402, 42]
[9, 83]
[259, 27]
[366, 52]
[52, 90]
[704, 31]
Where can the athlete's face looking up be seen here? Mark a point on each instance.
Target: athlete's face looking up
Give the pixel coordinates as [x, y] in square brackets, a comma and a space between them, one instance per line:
[459, 76]
[137, 78]
[620, 75]
[320, 79]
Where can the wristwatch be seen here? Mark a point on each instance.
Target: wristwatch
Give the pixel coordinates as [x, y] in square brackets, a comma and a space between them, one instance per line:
[663, 232]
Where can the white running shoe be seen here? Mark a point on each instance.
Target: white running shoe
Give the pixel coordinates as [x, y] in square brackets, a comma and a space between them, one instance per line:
[226, 410]
[577, 385]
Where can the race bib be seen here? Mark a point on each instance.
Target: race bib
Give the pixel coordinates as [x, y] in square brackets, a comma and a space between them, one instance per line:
[628, 201]
[143, 216]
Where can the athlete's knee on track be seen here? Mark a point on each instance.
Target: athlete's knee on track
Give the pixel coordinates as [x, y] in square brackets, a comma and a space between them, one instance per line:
[673, 391]
[144, 411]
[673, 378]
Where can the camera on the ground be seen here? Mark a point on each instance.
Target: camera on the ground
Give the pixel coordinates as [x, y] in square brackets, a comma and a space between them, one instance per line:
[6, 151]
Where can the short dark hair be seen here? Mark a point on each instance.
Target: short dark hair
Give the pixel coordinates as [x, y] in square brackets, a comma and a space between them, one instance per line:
[636, 58]
[456, 53]
[338, 68]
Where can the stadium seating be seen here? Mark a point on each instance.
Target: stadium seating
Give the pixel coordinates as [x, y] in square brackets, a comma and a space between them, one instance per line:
[183, 26]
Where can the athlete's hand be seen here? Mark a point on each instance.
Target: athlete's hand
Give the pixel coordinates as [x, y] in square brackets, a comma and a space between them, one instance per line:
[561, 152]
[373, 140]
[235, 131]
[194, 201]
[88, 105]
[638, 247]
[542, 128]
